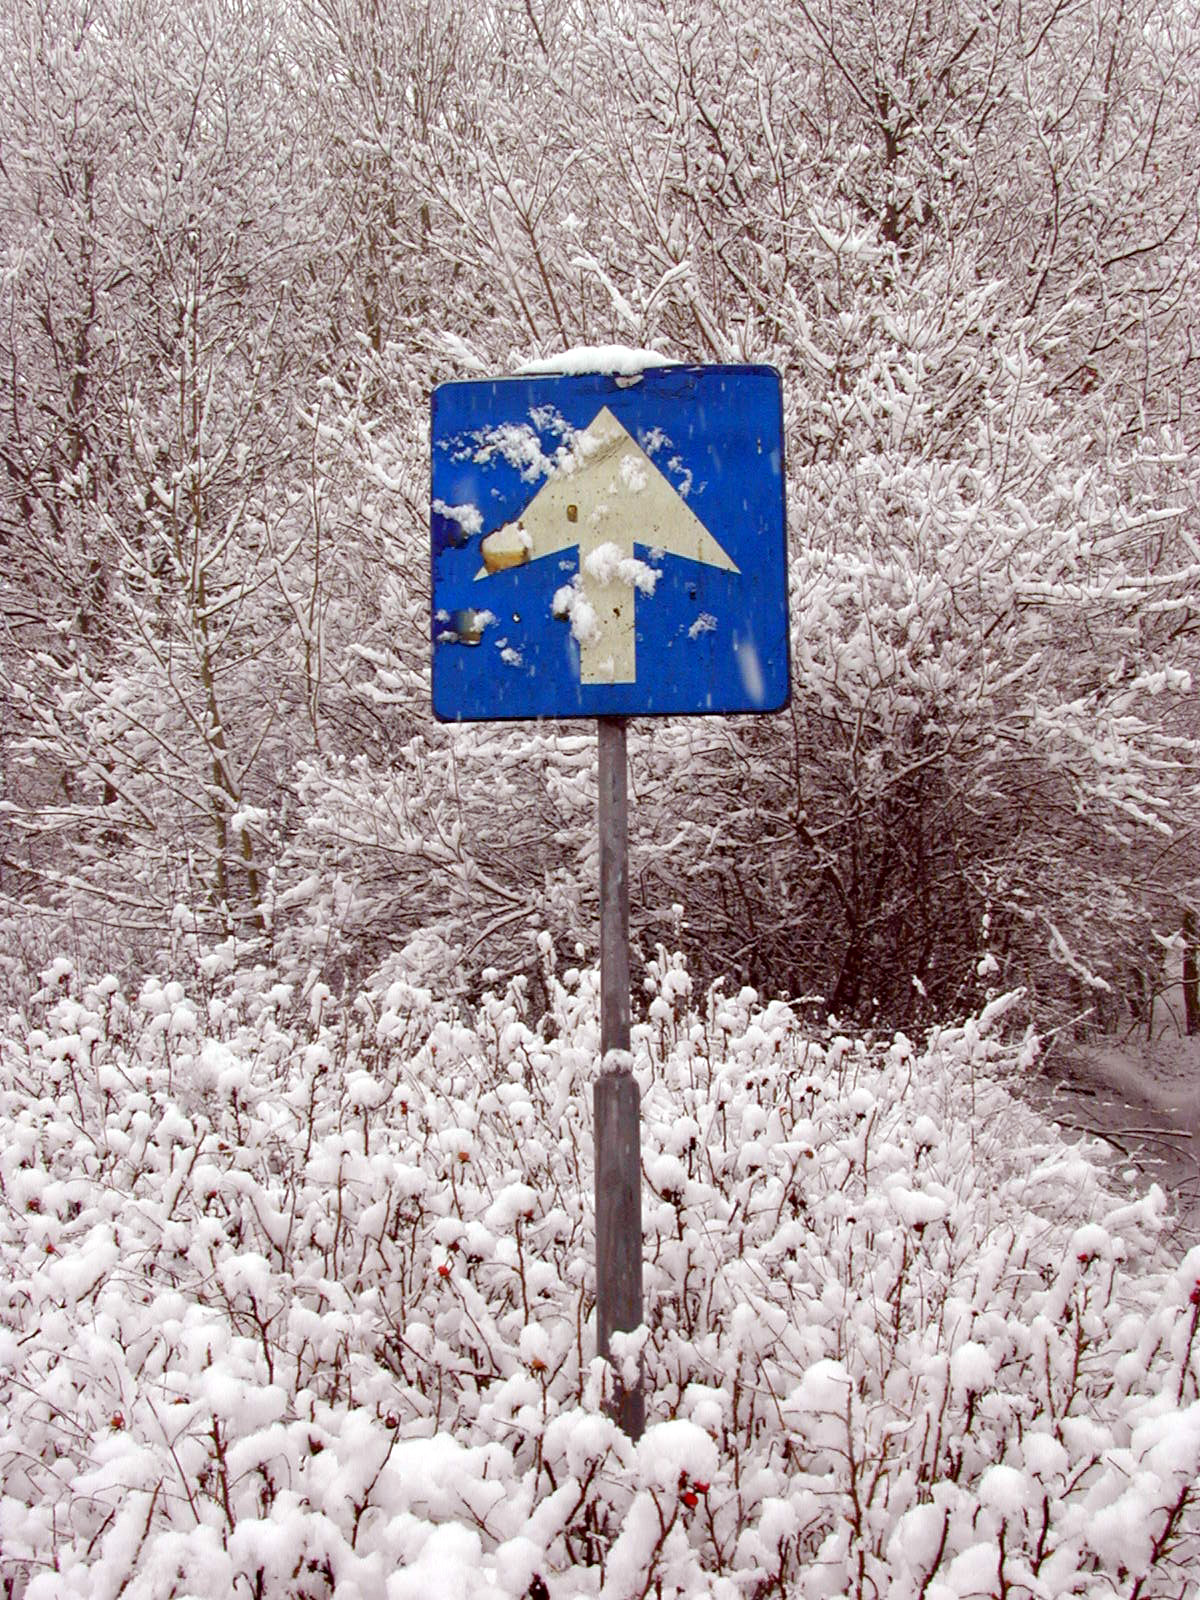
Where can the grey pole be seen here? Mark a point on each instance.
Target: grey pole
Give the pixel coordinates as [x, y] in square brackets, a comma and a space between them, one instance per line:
[615, 1101]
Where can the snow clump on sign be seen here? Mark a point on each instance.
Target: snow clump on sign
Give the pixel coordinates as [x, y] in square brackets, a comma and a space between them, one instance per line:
[607, 563]
[468, 517]
[571, 604]
[509, 546]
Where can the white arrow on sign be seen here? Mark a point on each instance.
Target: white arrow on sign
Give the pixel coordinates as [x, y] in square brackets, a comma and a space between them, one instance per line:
[607, 498]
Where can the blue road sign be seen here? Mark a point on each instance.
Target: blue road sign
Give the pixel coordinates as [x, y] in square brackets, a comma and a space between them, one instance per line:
[609, 545]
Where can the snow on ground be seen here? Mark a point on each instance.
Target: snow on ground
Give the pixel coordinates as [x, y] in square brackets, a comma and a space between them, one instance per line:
[1141, 1094]
[297, 1302]
[1163, 1072]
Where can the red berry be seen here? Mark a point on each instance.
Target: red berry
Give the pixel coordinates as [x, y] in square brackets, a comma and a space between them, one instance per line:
[1194, 1297]
[702, 1488]
[444, 1270]
[689, 1499]
[116, 1421]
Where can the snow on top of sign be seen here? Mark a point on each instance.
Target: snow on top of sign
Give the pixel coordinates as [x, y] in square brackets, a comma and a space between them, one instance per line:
[621, 360]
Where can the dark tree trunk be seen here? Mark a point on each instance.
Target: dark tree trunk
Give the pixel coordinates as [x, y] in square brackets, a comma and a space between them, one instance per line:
[1191, 983]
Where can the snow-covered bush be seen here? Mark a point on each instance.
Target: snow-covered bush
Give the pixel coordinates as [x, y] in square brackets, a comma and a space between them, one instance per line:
[298, 1302]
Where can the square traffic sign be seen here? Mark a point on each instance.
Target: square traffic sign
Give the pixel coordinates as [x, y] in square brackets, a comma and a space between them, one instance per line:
[609, 545]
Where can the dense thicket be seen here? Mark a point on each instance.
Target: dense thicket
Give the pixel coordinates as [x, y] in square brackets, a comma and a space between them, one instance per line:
[298, 1303]
[240, 244]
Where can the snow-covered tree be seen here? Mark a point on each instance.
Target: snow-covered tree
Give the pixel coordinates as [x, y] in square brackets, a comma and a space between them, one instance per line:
[240, 250]
[990, 751]
[157, 450]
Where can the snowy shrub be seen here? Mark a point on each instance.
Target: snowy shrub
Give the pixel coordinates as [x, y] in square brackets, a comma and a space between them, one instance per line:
[297, 1302]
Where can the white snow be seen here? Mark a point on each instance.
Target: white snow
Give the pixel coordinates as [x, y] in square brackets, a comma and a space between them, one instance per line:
[1005, 1489]
[918, 1210]
[508, 546]
[1044, 1456]
[972, 1369]
[671, 1452]
[620, 360]
[607, 563]
[514, 1200]
[616, 1061]
[468, 517]
[571, 603]
[359, 1289]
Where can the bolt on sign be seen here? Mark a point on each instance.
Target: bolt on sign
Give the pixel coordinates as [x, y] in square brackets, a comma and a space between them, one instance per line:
[609, 545]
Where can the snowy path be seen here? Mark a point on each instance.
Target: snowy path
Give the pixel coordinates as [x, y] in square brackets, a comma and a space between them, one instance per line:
[1143, 1105]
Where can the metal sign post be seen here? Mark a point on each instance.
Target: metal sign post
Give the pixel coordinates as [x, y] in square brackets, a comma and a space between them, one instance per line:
[610, 544]
[616, 1099]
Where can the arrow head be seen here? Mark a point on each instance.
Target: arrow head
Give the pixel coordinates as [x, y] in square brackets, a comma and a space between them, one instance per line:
[609, 491]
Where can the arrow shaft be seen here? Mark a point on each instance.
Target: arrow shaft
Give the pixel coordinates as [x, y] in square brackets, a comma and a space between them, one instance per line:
[608, 648]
